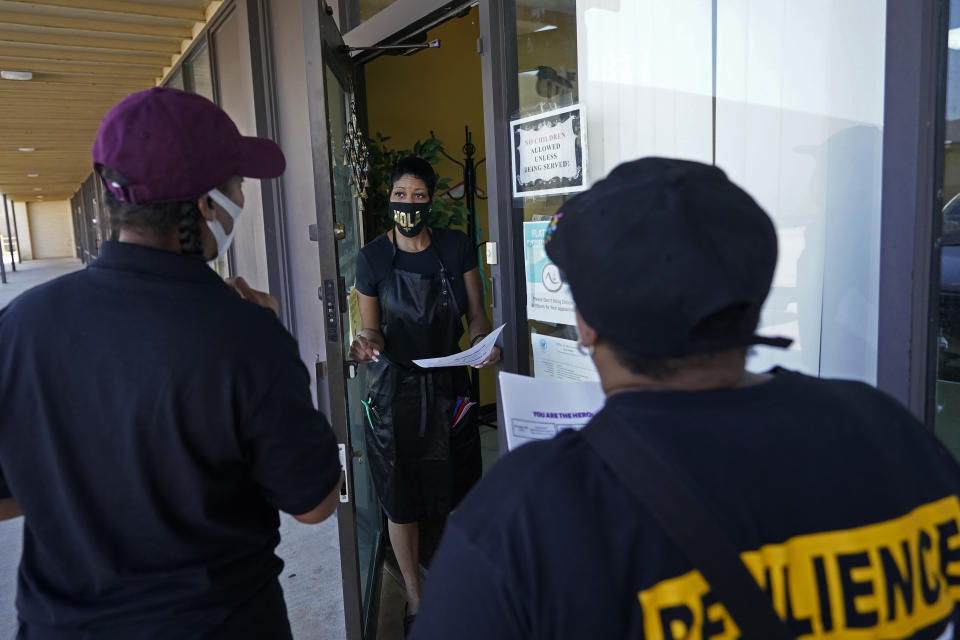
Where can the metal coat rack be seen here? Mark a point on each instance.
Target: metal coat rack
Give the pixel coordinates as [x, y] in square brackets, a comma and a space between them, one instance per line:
[469, 198]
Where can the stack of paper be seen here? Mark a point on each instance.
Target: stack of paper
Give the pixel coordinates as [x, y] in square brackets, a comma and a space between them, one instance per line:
[538, 408]
[471, 357]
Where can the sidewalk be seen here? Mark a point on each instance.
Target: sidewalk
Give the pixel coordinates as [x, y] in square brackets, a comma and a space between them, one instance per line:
[311, 578]
[31, 273]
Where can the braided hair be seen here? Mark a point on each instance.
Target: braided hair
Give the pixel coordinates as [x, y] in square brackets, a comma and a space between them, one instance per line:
[159, 219]
[191, 240]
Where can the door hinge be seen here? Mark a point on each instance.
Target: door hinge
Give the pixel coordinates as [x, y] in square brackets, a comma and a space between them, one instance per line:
[345, 487]
[480, 46]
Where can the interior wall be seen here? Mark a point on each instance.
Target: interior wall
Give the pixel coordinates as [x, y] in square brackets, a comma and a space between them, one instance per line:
[434, 89]
[438, 90]
[51, 229]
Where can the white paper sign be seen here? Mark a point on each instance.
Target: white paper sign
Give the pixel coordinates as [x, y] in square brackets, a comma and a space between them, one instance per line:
[559, 359]
[548, 153]
[469, 358]
[539, 409]
[548, 296]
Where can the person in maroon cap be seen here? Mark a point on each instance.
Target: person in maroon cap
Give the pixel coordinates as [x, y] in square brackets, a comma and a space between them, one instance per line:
[154, 421]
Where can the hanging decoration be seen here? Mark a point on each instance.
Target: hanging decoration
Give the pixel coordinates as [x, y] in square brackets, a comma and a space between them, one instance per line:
[356, 156]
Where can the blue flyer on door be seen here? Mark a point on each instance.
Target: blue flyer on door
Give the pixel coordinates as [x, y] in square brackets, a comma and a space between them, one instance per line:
[548, 296]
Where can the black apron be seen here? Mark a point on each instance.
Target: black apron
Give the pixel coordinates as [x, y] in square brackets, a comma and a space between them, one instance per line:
[421, 467]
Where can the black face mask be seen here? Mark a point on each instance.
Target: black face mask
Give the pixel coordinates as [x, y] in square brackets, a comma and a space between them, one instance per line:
[410, 217]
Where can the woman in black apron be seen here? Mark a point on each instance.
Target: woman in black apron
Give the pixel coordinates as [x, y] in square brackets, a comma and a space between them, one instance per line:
[415, 284]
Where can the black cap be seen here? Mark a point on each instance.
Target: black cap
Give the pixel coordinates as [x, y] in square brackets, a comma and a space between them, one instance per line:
[667, 258]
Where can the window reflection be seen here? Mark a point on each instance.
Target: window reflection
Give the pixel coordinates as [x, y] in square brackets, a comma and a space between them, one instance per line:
[788, 104]
[201, 78]
[947, 414]
[547, 80]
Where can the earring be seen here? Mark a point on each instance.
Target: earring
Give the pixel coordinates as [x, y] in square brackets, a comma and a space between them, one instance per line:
[585, 350]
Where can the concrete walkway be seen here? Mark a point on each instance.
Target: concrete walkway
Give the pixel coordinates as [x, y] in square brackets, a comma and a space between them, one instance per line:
[33, 272]
[311, 579]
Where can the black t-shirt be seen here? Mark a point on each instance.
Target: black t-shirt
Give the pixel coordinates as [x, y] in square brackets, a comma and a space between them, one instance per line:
[453, 247]
[153, 424]
[845, 509]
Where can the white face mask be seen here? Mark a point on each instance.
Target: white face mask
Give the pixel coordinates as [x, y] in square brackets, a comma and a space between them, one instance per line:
[223, 238]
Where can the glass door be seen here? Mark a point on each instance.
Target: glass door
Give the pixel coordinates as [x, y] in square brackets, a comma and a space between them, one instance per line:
[339, 165]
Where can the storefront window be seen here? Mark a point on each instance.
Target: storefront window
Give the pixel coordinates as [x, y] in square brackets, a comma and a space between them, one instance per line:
[785, 96]
[198, 72]
[175, 80]
[947, 415]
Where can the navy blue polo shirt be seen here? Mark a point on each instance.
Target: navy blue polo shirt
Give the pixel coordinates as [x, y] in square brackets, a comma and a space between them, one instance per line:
[153, 424]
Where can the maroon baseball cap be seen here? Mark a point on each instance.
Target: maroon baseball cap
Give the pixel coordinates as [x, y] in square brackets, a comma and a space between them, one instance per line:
[167, 145]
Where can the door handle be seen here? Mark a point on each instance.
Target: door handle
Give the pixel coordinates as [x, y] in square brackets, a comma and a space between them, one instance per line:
[350, 368]
[345, 487]
[339, 231]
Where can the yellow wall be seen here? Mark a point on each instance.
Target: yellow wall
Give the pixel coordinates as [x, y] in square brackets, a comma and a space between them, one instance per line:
[438, 90]
[51, 229]
[434, 89]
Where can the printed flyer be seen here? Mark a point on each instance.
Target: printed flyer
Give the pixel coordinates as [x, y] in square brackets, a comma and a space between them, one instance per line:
[548, 296]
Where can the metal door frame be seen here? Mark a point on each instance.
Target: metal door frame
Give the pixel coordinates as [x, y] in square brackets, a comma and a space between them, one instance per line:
[498, 51]
[332, 372]
[497, 47]
[913, 124]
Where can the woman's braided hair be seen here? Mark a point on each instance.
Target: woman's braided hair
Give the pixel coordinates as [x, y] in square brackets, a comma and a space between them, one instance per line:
[159, 219]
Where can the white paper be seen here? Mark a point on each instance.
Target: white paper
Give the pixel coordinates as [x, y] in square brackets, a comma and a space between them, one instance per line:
[539, 409]
[548, 155]
[559, 359]
[469, 358]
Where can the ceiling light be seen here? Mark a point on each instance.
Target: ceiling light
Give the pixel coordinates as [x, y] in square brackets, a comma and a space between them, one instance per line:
[953, 38]
[33, 175]
[549, 27]
[16, 75]
[26, 149]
